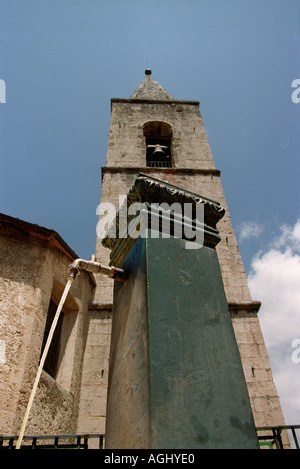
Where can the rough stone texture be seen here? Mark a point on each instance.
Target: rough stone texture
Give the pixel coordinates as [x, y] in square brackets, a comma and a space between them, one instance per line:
[34, 260]
[209, 185]
[151, 89]
[193, 169]
[129, 378]
[92, 409]
[181, 383]
[127, 146]
[33, 269]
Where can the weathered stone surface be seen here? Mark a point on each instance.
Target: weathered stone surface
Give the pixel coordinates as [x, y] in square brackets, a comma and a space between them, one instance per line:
[34, 265]
[192, 168]
[151, 89]
[151, 191]
[176, 378]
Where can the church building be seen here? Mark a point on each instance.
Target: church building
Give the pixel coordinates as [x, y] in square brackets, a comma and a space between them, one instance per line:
[157, 140]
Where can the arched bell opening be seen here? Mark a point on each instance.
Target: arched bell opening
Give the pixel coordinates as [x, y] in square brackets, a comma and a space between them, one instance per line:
[158, 137]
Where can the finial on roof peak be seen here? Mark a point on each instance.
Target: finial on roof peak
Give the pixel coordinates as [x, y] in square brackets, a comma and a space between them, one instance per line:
[151, 89]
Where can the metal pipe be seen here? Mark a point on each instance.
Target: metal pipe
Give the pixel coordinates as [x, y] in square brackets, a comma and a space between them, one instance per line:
[42, 360]
[74, 268]
[96, 268]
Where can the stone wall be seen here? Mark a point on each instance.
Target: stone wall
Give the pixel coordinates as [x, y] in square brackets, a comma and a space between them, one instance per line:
[92, 408]
[32, 271]
[34, 265]
[193, 169]
[126, 144]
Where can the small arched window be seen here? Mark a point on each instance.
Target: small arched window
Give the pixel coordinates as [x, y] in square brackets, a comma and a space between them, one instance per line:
[51, 362]
[60, 358]
[158, 137]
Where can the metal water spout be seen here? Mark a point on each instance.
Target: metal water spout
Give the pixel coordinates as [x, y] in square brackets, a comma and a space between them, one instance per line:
[95, 267]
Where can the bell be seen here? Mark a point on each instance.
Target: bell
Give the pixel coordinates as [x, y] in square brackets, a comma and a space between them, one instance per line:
[158, 152]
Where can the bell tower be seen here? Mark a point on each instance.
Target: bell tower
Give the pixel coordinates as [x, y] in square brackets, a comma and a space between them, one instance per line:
[153, 133]
[157, 135]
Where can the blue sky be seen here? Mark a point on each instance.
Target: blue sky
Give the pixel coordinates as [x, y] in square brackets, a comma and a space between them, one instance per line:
[62, 61]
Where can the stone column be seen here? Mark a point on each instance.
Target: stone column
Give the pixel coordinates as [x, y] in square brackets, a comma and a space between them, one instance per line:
[175, 377]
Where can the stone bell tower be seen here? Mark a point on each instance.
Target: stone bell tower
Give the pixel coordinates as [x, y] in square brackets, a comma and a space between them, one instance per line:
[157, 135]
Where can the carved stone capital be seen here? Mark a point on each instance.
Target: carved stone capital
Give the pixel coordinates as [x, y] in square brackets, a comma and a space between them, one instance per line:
[152, 193]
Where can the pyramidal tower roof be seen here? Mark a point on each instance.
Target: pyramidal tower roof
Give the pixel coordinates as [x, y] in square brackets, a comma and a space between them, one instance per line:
[151, 89]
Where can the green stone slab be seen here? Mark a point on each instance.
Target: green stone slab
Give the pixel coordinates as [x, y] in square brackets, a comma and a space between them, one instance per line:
[198, 394]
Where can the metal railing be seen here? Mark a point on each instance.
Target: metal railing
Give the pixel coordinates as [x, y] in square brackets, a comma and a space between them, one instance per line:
[159, 164]
[270, 437]
[83, 441]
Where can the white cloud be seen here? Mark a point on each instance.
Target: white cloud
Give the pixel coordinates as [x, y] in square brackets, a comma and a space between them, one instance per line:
[275, 281]
[249, 229]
